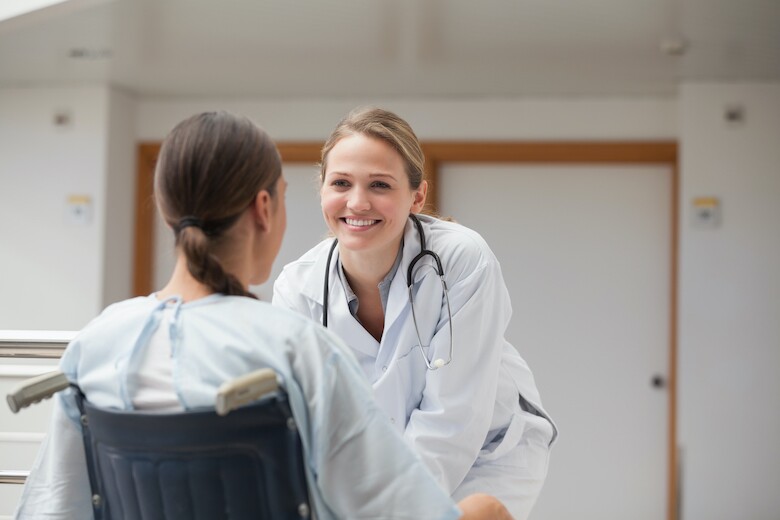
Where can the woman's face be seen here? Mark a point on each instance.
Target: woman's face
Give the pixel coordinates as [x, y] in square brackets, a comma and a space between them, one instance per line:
[366, 197]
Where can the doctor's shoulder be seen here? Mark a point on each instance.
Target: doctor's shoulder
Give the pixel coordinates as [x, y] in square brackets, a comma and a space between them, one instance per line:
[298, 271]
[461, 249]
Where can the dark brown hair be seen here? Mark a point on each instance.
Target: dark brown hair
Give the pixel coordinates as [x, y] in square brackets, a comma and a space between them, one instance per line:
[210, 169]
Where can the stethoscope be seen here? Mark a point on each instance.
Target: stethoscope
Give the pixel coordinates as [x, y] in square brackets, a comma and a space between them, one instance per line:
[437, 363]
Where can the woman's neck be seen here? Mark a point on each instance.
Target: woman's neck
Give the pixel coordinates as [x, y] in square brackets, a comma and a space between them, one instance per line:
[244, 254]
[365, 270]
[183, 284]
[364, 273]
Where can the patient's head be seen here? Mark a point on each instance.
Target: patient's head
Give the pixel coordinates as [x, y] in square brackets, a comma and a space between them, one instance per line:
[210, 169]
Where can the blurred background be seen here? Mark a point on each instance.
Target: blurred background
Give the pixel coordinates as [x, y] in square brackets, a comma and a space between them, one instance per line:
[621, 157]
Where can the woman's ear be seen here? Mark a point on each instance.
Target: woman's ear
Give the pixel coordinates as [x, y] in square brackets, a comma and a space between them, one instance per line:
[262, 210]
[420, 195]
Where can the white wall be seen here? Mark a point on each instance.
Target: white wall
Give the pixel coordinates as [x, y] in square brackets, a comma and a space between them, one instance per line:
[119, 195]
[50, 269]
[532, 119]
[729, 356]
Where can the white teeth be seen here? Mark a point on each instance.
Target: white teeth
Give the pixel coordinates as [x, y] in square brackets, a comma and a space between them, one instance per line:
[359, 223]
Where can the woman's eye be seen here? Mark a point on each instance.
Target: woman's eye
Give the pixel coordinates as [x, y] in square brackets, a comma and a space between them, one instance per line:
[340, 183]
[380, 185]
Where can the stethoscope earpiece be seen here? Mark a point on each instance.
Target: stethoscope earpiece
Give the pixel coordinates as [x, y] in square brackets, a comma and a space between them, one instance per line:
[438, 362]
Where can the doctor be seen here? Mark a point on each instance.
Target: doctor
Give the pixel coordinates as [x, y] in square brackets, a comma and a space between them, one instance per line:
[439, 364]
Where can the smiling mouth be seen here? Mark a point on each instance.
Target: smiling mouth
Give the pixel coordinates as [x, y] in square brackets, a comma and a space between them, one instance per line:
[359, 222]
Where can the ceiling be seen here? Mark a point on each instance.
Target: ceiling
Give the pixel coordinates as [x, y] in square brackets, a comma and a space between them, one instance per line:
[392, 48]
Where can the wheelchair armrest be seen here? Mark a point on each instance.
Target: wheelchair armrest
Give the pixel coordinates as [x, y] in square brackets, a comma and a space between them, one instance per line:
[36, 389]
[245, 389]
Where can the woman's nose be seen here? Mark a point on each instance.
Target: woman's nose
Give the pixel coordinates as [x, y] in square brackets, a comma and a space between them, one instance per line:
[358, 200]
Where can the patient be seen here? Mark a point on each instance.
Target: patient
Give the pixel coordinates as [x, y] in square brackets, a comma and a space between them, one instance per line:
[219, 186]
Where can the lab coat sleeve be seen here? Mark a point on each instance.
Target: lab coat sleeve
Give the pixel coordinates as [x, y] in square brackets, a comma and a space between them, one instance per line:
[364, 468]
[449, 427]
[58, 485]
[284, 295]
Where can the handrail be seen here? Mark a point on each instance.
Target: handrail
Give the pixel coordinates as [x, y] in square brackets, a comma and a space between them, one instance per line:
[34, 343]
[40, 344]
[13, 477]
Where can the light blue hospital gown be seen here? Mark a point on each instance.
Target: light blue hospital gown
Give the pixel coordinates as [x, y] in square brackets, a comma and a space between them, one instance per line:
[357, 465]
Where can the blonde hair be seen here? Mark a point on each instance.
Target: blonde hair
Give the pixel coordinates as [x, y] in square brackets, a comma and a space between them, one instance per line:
[386, 126]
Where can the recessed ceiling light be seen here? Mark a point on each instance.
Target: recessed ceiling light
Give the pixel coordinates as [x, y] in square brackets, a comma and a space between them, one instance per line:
[674, 46]
[87, 53]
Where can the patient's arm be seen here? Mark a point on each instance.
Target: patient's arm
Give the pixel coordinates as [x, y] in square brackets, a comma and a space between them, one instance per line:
[481, 506]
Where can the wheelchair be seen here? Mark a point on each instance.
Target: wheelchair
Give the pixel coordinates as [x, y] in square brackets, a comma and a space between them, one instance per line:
[241, 460]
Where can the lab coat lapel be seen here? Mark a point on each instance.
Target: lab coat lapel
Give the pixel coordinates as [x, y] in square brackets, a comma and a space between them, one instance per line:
[348, 328]
[398, 299]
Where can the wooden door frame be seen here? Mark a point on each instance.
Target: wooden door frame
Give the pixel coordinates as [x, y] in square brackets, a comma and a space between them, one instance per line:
[437, 153]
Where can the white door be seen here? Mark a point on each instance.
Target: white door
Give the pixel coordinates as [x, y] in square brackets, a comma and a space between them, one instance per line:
[585, 252]
[305, 228]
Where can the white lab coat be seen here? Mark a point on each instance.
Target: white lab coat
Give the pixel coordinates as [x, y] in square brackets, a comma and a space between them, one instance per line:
[465, 420]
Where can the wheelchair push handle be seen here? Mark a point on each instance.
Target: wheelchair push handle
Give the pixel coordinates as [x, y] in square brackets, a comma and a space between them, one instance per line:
[245, 389]
[36, 389]
[231, 395]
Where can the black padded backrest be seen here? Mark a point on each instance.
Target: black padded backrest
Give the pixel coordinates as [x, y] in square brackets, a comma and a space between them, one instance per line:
[197, 465]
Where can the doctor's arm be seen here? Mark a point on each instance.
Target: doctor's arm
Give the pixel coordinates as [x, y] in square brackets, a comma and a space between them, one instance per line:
[451, 423]
[287, 296]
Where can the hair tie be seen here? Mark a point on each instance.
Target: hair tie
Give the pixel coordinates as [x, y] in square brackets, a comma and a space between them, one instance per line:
[189, 221]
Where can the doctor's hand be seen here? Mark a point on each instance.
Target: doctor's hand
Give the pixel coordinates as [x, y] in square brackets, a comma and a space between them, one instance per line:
[480, 506]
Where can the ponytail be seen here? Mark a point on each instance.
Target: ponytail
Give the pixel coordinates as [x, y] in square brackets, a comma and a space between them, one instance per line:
[204, 266]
